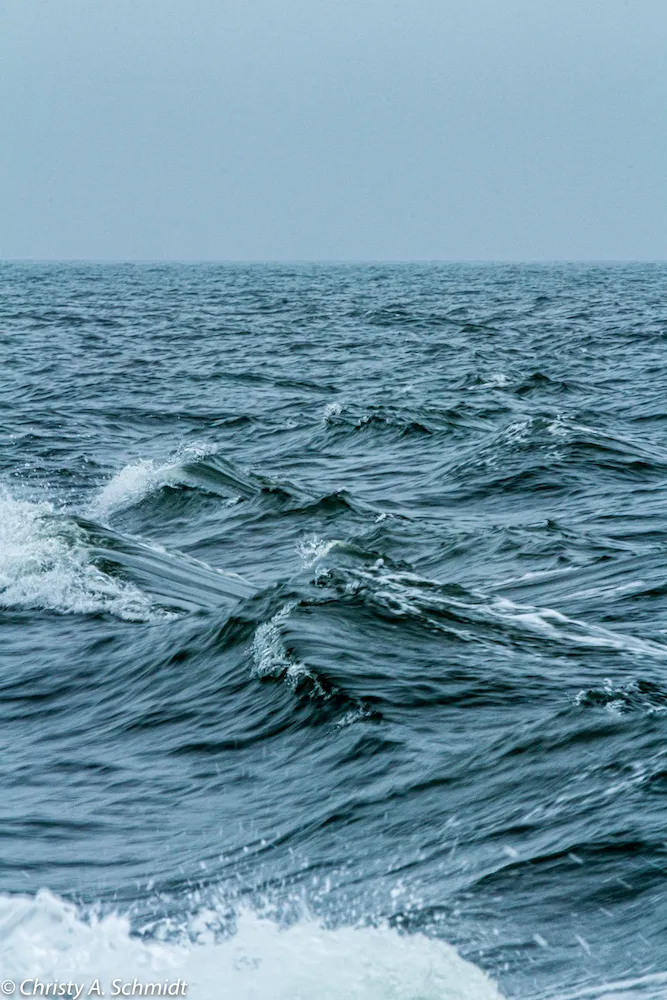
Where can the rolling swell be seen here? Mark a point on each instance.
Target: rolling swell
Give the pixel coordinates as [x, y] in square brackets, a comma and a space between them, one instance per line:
[332, 612]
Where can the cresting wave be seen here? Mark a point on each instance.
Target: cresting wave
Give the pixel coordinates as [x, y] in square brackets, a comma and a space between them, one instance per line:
[44, 937]
[57, 562]
[45, 562]
[203, 467]
[139, 479]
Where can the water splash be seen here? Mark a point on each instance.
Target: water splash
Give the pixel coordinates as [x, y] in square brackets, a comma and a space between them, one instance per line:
[46, 938]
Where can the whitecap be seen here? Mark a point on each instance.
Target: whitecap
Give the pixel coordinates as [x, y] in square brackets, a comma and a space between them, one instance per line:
[46, 938]
[270, 657]
[46, 564]
[129, 486]
[313, 548]
[331, 411]
[140, 479]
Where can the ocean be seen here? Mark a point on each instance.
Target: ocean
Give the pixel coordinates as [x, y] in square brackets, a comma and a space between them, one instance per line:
[333, 630]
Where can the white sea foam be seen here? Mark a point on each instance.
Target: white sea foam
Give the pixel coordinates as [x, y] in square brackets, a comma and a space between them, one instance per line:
[314, 548]
[270, 657]
[332, 410]
[45, 564]
[130, 485]
[518, 431]
[140, 479]
[559, 427]
[559, 626]
[353, 716]
[409, 594]
[46, 938]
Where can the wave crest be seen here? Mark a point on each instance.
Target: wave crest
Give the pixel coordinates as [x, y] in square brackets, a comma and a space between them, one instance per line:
[45, 564]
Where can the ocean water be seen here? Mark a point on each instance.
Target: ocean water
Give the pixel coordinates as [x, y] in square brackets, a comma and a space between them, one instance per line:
[333, 629]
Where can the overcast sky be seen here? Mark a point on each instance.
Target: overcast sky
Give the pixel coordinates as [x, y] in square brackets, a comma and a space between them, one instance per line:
[333, 129]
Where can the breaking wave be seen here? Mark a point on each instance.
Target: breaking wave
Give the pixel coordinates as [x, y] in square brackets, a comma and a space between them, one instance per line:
[46, 563]
[44, 937]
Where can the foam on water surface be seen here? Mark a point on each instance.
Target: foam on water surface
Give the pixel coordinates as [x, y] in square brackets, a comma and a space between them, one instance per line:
[313, 548]
[46, 938]
[130, 485]
[45, 564]
[138, 480]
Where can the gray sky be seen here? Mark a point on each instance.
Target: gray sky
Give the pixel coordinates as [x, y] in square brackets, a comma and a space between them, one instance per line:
[333, 129]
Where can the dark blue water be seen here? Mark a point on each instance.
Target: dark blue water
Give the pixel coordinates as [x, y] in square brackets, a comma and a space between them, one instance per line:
[333, 599]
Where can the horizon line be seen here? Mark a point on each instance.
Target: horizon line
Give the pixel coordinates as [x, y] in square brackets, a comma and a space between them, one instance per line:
[333, 260]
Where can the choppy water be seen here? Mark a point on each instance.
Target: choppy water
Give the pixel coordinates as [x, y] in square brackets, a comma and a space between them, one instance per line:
[332, 628]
